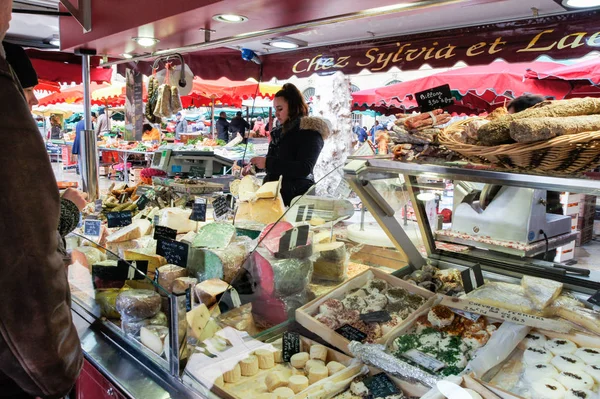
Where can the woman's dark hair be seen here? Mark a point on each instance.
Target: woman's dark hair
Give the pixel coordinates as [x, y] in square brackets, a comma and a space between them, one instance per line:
[297, 105]
[523, 102]
[147, 127]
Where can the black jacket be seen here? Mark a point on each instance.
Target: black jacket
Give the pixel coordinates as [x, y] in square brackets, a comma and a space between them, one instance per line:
[238, 125]
[223, 129]
[294, 153]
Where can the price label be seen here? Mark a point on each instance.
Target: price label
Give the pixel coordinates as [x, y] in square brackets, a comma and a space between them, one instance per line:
[98, 206]
[164, 232]
[197, 171]
[424, 360]
[467, 315]
[221, 206]
[472, 278]
[376, 317]
[188, 299]
[174, 252]
[305, 213]
[290, 345]
[199, 210]
[92, 228]
[435, 98]
[380, 386]
[294, 238]
[351, 333]
[118, 219]
[142, 202]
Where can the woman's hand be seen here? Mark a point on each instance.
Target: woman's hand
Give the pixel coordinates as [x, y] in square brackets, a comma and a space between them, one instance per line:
[77, 197]
[259, 162]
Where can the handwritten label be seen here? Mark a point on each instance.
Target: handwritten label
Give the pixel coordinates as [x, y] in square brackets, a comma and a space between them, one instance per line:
[199, 210]
[435, 98]
[294, 238]
[471, 316]
[351, 333]
[220, 206]
[382, 316]
[164, 232]
[197, 171]
[290, 346]
[118, 219]
[174, 252]
[472, 278]
[98, 206]
[380, 386]
[92, 228]
[305, 213]
[424, 360]
[142, 202]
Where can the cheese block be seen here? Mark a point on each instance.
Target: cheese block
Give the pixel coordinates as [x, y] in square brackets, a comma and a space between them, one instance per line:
[335, 367]
[181, 284]
[205, 264]
[107, 301]
[214, 236]
[245, 188]
[234, 187]
[322, 237]
[155, 338]
[87, 256]
[177, 219]
[119, 248]
[207, 291]
[200, 325]
[154, 261]
[133, 327]
[329, 270]
[167, 275]
[581, 316]
[541, 291]
[262, 210]
[271, 235]
[278, 356]
[312, 363]
[316, 221]
[268, 190]
[135, 230]
[209, 330]
[188, 238]
[145, 226]
[332, 251]
[138, 304]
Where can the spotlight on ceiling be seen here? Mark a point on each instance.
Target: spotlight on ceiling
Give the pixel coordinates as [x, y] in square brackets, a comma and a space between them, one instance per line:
[127, 56]
[579, 3]
[230, 18]
[146, 41]
[286, 43]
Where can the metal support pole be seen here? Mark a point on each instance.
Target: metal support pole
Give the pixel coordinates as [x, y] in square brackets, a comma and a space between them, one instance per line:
[270, 120]
[213, 125]
[88, 150]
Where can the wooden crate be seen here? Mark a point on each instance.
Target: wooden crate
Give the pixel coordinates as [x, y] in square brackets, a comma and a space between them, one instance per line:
[304, 315]
[514, 360]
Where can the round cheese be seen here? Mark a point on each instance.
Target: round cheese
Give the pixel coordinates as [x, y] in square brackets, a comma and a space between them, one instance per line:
[335, 367]
[266, 359]
[283, 393]
[298, 383]
[299, 360]
[317, 373]
[318, 352]
[233, 375]
[249, 366]
[138, 304]
[275, 379]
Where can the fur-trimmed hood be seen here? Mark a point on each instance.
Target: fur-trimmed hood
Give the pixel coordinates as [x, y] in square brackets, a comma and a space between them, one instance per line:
[321, 125]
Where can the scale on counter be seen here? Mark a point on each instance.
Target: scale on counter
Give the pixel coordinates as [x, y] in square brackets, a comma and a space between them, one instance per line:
[506, 219]
[192, 163]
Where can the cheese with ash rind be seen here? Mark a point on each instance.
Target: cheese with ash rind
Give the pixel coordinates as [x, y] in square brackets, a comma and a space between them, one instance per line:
[138, 304]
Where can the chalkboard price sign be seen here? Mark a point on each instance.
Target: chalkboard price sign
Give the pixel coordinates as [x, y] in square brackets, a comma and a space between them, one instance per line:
[380, 386]
[220, 206]
[290, 346]
[174, 252]
[381, 316]
[435, 98]
[92, 228]
[118, 219]
[351, 333]
[164, 232]
[595, 299]
[142, 202]
[199, 210]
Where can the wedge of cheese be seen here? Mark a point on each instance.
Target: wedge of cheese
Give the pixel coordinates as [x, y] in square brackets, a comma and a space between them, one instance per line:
[197, 319]
[137, 229]
[268, 190]
[87, 256]
[540, 291]
[207, 291]
[262, 210]
[167, 275]
[332, 251]
[177, 219]
[154, 261]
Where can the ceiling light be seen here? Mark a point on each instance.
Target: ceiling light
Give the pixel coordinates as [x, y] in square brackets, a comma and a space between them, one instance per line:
[55, 42]
[581, 3]
[426, 197]
[127, 56]
[230, 18]
[146, 41]
[286, 43]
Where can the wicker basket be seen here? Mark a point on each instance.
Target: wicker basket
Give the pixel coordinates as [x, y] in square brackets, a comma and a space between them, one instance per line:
[569, 154]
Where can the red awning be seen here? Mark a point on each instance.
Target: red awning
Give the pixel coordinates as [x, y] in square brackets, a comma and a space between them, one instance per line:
[481, 88]
[71, 95]
[67, 73]
[44, 85]
[588, 71]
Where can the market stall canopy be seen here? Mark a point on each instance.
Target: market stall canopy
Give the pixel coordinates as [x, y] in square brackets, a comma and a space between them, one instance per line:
[70, 95]
[478, 88]
[46, 85]
[67, 73]
[113, 95]
[226, 92]
[586, 71]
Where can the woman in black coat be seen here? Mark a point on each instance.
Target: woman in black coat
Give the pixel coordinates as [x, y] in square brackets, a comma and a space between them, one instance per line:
[295, 145]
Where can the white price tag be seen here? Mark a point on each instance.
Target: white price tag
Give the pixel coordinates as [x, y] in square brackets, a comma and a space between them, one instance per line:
[424, 360]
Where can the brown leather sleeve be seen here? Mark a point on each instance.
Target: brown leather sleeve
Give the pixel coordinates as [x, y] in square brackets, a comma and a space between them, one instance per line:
[39, 346]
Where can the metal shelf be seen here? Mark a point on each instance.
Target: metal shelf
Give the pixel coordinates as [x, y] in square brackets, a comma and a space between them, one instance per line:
[375, 166]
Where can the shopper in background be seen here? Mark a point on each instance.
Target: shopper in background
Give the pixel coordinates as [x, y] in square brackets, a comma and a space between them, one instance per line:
[362, 134]
[239, 125]
[55, 132]
[150, 133]
[21, 64]
[223, 127]
[180, 126]
[523, 102]
[79, 128]
[295, 146]
[373, 132]
[40, 352]
[101, 123]
[259, 127]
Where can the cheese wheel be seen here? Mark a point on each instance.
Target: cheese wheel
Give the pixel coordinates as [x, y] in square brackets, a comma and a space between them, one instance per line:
[167, 275]
[318, 352]
[283, 393]
[138, 304]
[274, 380]
[249, 366]
[317, 373]
[335, 367]
[278, 356]
[234, 375]
[266, 360]
[299, 360]
[298, 383]
[312, 363]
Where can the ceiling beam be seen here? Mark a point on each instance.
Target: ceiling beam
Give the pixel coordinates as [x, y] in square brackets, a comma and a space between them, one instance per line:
[82, 13]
